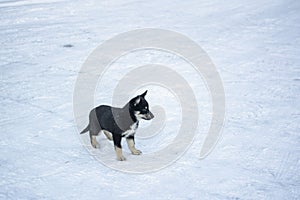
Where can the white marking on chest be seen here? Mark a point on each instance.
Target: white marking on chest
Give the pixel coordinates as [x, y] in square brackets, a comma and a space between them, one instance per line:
[131, 130]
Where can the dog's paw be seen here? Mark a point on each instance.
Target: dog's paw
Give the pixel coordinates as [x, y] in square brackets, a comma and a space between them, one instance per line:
[95, 145]
[94, 142]
[136, 152]
[121, 158]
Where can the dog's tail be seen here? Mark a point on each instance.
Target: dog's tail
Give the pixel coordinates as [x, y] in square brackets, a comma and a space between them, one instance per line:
[86, 129]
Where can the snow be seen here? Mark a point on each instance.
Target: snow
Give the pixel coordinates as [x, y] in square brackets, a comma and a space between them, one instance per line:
[255, 47]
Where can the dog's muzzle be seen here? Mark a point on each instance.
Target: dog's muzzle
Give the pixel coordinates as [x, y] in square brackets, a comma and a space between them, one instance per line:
[148, 116]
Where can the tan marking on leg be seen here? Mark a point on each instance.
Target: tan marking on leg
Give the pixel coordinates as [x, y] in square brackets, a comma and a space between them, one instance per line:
[120, 156]
[108, 135]
[94, 141]
[132, 148]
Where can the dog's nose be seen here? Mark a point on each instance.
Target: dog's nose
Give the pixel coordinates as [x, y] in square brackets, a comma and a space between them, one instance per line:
[151, 116]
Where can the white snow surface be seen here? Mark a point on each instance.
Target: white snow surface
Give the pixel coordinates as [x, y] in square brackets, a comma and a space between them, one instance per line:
[255, 47]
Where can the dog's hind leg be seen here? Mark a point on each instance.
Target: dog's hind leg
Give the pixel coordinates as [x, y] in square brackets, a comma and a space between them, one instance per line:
[94, 128]
[108, 135]
[94, 142]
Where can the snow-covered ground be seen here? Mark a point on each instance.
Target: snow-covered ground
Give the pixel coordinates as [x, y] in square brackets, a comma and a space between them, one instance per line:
[255, 47]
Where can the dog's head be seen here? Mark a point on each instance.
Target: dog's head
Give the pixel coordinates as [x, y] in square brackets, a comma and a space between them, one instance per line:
[141, 107]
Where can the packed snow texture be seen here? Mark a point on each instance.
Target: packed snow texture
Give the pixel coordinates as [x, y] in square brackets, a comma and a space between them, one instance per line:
[255, 47]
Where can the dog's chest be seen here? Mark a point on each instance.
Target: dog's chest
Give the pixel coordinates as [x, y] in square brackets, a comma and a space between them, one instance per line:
[131, 130]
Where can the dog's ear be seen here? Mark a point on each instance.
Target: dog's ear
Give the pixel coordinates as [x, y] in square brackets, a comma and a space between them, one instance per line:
[136, 100]
[144, 94]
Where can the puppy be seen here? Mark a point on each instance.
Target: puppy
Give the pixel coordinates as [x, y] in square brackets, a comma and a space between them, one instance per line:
[116, 123]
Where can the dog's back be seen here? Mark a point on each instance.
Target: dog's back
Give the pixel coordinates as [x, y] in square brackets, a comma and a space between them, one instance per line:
[114, 120]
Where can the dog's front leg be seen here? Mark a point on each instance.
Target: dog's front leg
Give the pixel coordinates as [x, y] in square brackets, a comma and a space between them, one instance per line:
[131, 145]
[117, 142]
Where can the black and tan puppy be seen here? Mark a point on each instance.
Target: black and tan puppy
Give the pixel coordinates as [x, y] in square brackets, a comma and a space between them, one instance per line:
[116, 123]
